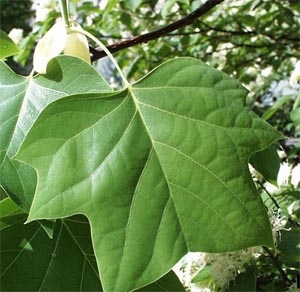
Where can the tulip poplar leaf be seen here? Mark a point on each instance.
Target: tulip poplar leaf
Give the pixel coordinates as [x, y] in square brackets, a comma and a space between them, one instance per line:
[159, 169]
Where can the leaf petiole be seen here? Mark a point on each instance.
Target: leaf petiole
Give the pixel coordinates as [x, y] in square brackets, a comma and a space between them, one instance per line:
[108, 53]
[64, 8]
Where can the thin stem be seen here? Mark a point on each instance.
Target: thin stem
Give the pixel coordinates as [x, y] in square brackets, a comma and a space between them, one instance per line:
[31, 74]
[65, 12]
[277, 265]
[269, 194]
[108, 53]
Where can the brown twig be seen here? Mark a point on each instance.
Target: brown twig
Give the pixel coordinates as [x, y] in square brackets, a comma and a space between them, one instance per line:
[98, 53]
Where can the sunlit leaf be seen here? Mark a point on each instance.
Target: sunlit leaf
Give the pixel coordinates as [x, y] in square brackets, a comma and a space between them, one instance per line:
[7, 46]
[157, 168]
[21, 101]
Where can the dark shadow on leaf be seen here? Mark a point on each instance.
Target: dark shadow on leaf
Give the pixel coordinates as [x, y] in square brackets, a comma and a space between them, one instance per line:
[54, 71]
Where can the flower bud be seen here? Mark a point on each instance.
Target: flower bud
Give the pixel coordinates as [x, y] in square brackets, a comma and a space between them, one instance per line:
[59, 39]
[50, 46]
[77, 46]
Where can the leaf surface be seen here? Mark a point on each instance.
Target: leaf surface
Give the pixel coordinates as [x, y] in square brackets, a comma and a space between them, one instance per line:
[159, 168]
[65, 263]
[21, 101]
[7, 46]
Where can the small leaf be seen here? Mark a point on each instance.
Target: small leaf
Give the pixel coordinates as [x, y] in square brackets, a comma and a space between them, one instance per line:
[178, 141]
[290, 245]
[7, 46]
[277, 106]
[295, 116]
[10, 213]
[203, 275]
[267, 162]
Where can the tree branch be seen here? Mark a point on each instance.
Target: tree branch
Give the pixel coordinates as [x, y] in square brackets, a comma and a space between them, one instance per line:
[98, 53]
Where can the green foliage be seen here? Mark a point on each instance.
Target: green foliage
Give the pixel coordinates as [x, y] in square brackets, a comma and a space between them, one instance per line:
[7, 46]
[113, 147]
[157, 168]
[267, 162]
[244, 282]
[65, 262]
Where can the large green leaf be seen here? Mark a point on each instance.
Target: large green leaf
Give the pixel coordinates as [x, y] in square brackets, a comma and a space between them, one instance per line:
[160, 168]
[21, 101]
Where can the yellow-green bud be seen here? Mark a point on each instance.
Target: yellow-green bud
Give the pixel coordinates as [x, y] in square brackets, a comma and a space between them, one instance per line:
[49, 46]
[77, 46]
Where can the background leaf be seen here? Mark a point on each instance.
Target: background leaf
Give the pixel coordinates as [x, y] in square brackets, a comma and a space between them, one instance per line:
[289, 245]
[65, 263]
[169, 282]
[7, 46]
[178, 141]
[267, 162]
[10, 213]
[245, 281]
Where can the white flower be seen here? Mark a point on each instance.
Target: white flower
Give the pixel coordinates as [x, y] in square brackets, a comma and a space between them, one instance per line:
[43, 8]
[56, 40]
[226, 266]
[278, 223]
[16, 34]
[188, 267]
[295, 76]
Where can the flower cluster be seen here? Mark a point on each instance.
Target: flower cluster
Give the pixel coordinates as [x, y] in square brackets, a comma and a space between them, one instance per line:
[43, 8]
[226, 266]
[223, 268]
[278, 223]
[188, 267]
